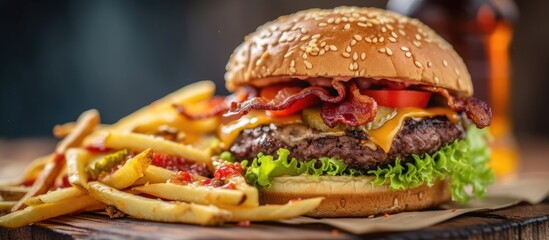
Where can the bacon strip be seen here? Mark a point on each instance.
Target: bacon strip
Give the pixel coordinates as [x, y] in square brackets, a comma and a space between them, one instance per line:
[356, 110]
[476, 110]
[218, 105]
[238, 109]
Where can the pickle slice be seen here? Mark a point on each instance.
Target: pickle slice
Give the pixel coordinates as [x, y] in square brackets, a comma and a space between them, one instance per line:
[106, 163]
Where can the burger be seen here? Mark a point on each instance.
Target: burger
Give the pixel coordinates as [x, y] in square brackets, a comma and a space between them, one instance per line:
[367, 108]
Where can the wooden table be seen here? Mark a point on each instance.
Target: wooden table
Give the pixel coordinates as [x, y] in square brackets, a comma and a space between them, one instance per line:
[523, 221]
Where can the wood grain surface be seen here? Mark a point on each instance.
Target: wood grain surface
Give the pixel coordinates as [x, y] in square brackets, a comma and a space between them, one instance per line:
[519, 222]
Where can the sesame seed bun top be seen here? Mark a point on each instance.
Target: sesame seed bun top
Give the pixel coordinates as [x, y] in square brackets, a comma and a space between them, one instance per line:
[347, 42]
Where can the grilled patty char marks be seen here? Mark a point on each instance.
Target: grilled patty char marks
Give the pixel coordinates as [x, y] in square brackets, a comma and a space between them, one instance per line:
[421, 136]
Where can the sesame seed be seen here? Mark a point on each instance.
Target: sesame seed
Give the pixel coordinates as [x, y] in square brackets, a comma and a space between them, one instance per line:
[360, 24]
[402, 32]
[394, 34]
[316, 36]
[355, 66]
[389, 51]
[338, 20]
[383, 29]
[362, 72]
[351, 67]
[303, 30]
[308, 65]
[292, 63]
[418, 64]
[345, 19]
[347, 26]
[404, 49]
[355, 56]
[418, 44]
[330, 20]
[429, 64]
[381, 39]
[445, 63]
[304, 55]
[287, 55]
[392, 39]
[322, 24]
[353, 42]
[418, 37]
[436, 80]
[322, 44]
[389, 27]
[358, 37]
[456, 70]
[346, 54]
[362, 18]
[408, 54]
[382, 50]
[374, 40]
[305, 38]
[333, 48]
[368, 39]
[348, 49]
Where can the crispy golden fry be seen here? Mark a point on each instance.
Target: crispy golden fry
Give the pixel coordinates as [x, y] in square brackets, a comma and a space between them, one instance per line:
[5, 206]
[12, 193]
[273, 212]
[30, 173]
[77, 159]
[55, 196]
[191, 193]
[252, 195]
[171, 118]
[42, 183]
[157, 210]
[44, 211]
[84, 125]
[154, 174]
[62, 130]
[192, 93]
[132, 170]
[140, 142]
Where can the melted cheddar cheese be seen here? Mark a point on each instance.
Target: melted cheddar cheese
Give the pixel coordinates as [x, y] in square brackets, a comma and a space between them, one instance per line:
[382, 136]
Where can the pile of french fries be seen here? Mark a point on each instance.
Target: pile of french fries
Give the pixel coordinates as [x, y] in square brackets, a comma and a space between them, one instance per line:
[135, 187]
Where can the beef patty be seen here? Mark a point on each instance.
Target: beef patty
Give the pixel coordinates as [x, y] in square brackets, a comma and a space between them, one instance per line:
[418, 137]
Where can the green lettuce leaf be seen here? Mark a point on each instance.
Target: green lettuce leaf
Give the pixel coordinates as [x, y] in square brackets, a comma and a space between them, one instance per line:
[464, 161]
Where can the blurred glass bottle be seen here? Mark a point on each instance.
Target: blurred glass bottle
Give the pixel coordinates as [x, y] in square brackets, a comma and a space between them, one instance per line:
[481, 32]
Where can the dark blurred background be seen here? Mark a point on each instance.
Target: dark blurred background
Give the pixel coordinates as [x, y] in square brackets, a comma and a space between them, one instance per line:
[59, 58]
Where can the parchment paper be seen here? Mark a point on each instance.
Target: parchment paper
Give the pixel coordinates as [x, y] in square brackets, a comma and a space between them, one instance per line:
[531, 188]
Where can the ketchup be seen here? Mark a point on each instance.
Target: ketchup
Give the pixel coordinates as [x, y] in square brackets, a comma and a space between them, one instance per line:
[98, 148]
[228, 170]
[179, 164]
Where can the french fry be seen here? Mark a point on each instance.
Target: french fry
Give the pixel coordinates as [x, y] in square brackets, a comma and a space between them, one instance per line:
[154, 174]
[84, 125]
[77, 160]
[62, 130]
[191, 193]
[273, 212]
[42, 183]
[44, 211]
[5, 206]
[30, 173]
[140, 142]
[192, 93]
[132, 170]
[252, 195]
[171, 118]
[12, 193]
[55, 196]
[157, 210]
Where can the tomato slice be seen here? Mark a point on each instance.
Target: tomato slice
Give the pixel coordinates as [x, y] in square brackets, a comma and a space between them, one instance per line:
[399, 98]
[282, 92]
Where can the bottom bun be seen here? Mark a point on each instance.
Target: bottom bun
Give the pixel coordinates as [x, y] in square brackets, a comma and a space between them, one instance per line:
[353, 196]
